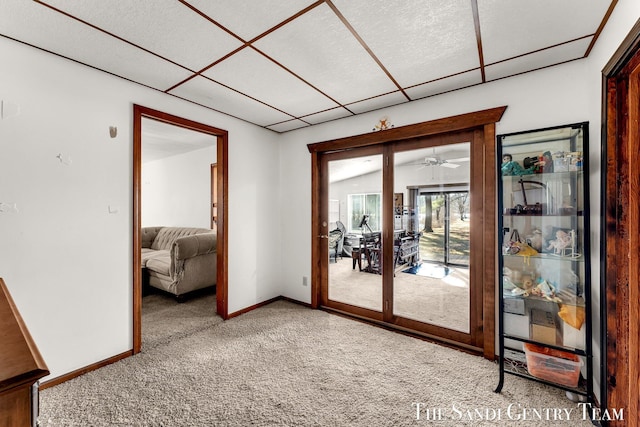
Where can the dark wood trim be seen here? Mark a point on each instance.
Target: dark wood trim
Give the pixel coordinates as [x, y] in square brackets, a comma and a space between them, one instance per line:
[71, 375]
[476, 23]
[288, 70]
[75, 18]
[601, 27]
[405, 331]
[253, 307]
[624, 53]
[366, 47]
[315, 231]
[620, 269]
[138, 113]
[222, 248]
[222, 242]
[295, 301]
[433, 127]
[489, 241]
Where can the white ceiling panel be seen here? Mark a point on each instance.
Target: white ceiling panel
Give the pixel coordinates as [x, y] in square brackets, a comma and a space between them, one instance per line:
[318, 47]
[249, 18]
[543, 58]
[210, 94]
[250, 72]
[444, 85]
[417, 40]
[287, 126]
[325, 116]
[63, 36]
[511, 28]
[164, 27]
[382, 101]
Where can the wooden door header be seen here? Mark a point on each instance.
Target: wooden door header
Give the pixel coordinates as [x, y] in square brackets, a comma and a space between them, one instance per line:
[433, 127]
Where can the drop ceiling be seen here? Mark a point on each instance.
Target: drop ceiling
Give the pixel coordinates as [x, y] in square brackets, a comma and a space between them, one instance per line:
[287, 64]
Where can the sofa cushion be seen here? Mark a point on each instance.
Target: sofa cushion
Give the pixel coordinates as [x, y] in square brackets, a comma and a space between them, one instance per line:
[160, 264]
[168, 235]
[148, 254]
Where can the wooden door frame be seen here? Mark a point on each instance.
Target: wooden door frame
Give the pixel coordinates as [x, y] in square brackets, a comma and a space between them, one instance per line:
[222, 163]
[213, 216]
[482, 123]
[620, 268]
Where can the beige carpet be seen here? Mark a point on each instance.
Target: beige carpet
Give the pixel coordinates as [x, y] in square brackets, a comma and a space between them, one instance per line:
[164, 319]
[443, 302]
[287, 365]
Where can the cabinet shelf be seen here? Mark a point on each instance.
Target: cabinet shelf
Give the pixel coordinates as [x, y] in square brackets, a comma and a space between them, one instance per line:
[572, 350]
[578, 213]
[565, 297]
[549, 324]
[544, 256]
[513, 365]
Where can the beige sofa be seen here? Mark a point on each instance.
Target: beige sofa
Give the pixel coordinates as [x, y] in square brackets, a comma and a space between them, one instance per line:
[179, 260]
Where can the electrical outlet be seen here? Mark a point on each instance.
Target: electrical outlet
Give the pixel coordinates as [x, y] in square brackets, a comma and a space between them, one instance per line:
[305, 281]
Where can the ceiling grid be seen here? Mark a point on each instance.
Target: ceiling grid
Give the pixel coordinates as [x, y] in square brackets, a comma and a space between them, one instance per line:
[287, 64]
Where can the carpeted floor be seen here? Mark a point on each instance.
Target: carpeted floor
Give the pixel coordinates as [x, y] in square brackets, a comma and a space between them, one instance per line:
[441, 301]
[287, 365]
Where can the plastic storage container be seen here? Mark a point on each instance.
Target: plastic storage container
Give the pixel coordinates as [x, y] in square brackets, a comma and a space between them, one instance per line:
[552, 365]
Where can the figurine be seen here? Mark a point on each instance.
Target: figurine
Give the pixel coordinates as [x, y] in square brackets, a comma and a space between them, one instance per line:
[510, 167]
[561, 243]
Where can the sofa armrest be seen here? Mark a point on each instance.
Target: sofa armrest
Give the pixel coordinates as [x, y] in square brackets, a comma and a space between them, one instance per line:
[191, 246]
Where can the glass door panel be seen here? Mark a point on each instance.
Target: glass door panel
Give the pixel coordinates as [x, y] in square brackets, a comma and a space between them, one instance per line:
[431, 254]
[355, 242]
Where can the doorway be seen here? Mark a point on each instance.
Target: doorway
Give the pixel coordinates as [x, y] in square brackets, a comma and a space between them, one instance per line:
[141, 113]
[446, 225]
[385, 238]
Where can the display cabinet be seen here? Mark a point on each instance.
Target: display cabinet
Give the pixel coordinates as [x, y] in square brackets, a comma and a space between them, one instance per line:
[544, 290]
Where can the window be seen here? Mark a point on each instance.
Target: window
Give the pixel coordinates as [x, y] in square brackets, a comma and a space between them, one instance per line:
[364, 204]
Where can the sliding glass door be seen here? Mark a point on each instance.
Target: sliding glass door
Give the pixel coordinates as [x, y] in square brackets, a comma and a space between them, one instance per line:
[431, 274]
[354, 248]
[398, 236]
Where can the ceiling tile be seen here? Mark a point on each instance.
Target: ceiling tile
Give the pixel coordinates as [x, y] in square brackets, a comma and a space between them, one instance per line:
[165, 27]
[514, 27]
[249, 18]
[543, 58]
[325, 116]
[458, 81]
[218, 97]
[250, 72]
[417, 41]
[382, 101]
[287, 126]
[319, 48]
[67, 37]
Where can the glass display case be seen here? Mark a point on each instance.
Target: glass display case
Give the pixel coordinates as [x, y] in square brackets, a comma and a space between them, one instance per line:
[544, 290]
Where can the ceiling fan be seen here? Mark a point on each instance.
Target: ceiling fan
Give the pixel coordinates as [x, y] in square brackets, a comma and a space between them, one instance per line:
[434, 161]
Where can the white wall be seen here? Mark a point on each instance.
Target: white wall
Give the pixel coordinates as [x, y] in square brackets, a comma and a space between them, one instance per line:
[559, 95]
[66, 260]
[176, 190]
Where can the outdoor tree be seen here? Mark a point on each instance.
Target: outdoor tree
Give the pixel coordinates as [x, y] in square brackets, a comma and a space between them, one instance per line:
[461, 204]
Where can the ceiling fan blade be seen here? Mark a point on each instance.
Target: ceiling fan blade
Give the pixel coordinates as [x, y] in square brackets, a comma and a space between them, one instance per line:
[449, 165]
[459, 159]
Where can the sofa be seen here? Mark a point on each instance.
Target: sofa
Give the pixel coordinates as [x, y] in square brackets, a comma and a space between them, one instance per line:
[179, 260]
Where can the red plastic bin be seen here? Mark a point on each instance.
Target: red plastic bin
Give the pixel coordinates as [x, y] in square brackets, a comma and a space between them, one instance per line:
[553, 365]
